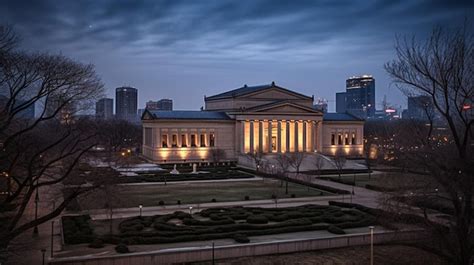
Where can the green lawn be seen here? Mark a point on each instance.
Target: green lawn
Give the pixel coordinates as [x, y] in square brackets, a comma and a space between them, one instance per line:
[193, 193]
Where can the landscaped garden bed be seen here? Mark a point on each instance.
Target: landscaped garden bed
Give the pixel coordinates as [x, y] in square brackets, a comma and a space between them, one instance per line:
[237, 223]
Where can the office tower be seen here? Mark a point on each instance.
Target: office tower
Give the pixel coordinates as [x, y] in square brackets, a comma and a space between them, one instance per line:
[420, 108]
[104, 108]
[321, 105]
[126, 99]
[162, 104]
[359, 98]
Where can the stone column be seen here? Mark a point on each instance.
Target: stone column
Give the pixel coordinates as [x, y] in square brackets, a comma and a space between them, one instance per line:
[319, 136]
[242, 137]
[251, 137]
[279, 136]
[269, 144]
[296, 137]
[287, 136]
[304, 135]
[260, 136]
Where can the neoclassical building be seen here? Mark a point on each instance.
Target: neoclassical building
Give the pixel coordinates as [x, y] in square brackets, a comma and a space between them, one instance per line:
[266, 118]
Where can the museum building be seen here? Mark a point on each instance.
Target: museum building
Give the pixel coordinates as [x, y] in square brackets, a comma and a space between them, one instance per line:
[266, 118]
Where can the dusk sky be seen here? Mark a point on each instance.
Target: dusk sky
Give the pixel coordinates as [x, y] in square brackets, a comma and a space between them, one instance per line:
[184, 50]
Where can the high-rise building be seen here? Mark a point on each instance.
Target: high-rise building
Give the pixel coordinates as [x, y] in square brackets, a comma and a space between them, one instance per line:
[162, 104]
[104, 108]
[321, 105]
[26, 113]
[420, 108]
[126, 101]
[359, 98]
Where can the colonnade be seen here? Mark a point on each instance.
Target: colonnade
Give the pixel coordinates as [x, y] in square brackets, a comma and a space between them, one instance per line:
[279, 136]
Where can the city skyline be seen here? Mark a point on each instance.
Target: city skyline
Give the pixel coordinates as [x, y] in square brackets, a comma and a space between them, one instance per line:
[183, 50]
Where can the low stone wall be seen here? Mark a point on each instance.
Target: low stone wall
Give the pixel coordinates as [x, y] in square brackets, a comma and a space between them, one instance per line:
[241, 250]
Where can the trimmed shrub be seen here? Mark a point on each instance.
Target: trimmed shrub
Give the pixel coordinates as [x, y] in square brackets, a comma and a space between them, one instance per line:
[122, 248]
[178, 202]
[213, 200]
[293, 196]
[240, 238]
[257, 219]
[77, 229]
[96, 243]
[161, 203]
[335, 230]
[247, 197]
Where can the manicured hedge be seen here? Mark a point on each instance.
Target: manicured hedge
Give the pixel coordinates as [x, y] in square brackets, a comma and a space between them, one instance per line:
[77, 229]
[235, 222]
[336, 230]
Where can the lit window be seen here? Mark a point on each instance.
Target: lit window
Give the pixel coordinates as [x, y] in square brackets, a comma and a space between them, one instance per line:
[164, 141]
[184, 142]
[346, 139]
[354, 138]
[193, 140]
[212, 139]
[339, 139]
[203, 140]
[333, 139]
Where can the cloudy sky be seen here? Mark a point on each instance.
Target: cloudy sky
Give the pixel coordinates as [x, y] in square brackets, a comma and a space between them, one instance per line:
[187, 49]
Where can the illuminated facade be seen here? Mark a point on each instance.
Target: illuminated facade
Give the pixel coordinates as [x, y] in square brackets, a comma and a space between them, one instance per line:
[267, 118]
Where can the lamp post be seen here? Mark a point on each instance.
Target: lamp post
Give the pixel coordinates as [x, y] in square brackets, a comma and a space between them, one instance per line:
[52, 237]
[371, 245]
[190, 210]
[140, 207]
[43, 251]
[35, 230]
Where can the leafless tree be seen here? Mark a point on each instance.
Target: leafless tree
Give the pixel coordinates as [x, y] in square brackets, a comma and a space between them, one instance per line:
[318, 162]
[217, 155]
[283, 161]
[339, 161]
[116, 134]
[40, 153]
[295, 160]
[257, 157]
[442, 67]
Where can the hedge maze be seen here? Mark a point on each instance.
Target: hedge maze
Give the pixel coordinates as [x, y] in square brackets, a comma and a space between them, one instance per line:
[237, 223]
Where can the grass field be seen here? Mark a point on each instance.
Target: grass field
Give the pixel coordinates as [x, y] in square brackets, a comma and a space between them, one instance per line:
[204, 192]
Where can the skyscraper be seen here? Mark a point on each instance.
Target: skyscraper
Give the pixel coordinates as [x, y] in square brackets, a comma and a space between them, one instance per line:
[162, 104]
[104, 108]
[359, 98]
[420, 108]
[126, 99]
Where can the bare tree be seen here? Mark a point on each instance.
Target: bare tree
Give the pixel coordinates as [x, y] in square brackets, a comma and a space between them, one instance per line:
[40, 153]
[283, 161]
[257, 157]
[217, 155]
[442, 67]
[318, 162]
[295, 160]
[339, 161]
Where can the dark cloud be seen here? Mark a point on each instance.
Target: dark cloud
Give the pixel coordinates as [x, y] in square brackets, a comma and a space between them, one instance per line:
[192, 39]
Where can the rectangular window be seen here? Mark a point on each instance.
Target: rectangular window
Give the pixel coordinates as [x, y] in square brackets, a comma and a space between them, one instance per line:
[274, 143]
[174, 140]
[203, 140]
[339, 138]
[212, 139]
[346, 139]
[148, 137]
[333, 139]
[184, 140]
[193, 140]
[164, 140]
[354, 138]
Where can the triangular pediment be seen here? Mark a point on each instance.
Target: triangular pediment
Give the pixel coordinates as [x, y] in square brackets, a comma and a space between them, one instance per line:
[147, 115]
[284, 107]
[274, 93]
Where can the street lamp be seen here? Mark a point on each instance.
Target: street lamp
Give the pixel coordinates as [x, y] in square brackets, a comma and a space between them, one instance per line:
[43, 251]
[190, 210]
[371, 245]
[35, 230]
[140, 207]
